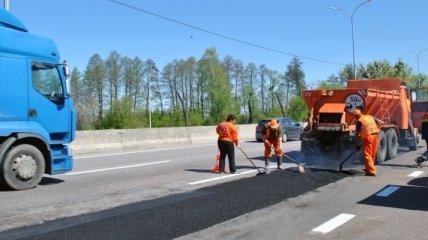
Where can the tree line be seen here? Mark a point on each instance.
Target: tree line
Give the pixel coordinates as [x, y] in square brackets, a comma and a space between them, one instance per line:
[122, 92]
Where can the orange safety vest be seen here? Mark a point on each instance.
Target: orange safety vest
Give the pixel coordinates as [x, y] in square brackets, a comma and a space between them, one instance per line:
[228, 132]
[368, 127]
[425, 117]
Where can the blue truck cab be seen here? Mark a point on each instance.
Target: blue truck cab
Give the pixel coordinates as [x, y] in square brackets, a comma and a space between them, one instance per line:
[37, 114]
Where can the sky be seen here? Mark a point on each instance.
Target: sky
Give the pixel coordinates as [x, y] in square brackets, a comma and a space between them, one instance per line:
[165, 30]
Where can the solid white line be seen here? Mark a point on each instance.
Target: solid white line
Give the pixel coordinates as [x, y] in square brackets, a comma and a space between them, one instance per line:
[142, 151]
[415, 174]
[222, 177]
[115, 168]
[387, 191]
[333, 223]
[229, 176]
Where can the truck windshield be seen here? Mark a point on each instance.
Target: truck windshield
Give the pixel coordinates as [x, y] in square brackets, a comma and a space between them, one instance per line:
[419, 95]
[47, 81]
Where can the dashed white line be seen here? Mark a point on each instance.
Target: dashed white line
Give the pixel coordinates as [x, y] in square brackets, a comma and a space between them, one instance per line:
[333, 223]
[116, 168]
[415, 174]
[387, 191]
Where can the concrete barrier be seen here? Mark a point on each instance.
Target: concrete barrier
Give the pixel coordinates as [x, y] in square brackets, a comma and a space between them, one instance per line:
[145, 138]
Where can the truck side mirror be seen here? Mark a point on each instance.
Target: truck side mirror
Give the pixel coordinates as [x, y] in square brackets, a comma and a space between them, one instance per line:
[66, 70]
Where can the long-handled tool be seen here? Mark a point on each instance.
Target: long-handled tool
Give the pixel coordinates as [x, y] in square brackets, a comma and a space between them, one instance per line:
[346, 159]
[301, 166]
[259, 172]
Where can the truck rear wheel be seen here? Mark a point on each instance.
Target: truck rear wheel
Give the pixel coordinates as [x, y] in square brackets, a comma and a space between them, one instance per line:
[381, 149]
[22, 168]
[413, 144]
[392, 144]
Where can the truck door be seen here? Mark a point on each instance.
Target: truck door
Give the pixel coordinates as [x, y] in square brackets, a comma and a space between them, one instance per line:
[13, 95]
[48, 112]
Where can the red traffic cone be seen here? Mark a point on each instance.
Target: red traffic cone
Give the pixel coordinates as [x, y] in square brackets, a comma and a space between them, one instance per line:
[216, 168]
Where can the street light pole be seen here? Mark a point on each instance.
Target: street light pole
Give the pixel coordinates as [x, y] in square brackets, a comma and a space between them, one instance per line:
[417, 63]
[351, 17]
[148, 104]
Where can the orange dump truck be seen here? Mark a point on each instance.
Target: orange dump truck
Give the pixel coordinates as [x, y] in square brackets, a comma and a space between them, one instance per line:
[331, 130]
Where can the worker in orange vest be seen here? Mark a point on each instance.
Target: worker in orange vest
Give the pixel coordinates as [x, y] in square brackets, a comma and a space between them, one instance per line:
[424, 156]
[272, 133]
[368, 131]
[227, 137]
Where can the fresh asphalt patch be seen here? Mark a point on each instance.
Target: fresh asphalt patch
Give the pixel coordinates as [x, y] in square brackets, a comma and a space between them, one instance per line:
[181, 214]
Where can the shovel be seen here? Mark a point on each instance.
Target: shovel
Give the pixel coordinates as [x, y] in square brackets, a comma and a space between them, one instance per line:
[249, 159]
[301, 166]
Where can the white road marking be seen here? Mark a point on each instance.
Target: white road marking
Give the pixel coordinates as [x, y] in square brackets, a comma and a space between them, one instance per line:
[387, 191]
[415, 174]
[222, 177]
[142, 151]
[116, 168]
[333, 223]
[229, 176]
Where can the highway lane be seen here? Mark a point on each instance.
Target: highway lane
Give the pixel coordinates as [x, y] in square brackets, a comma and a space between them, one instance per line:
[147, 178]
[179, 214]
[393, 205]
[104, 181]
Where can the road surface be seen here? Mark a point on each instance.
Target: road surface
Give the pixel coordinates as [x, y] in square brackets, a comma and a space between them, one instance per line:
[171, 193]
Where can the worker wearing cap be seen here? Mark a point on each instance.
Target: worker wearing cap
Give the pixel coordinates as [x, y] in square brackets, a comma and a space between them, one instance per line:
[272, 133]
[368, 131]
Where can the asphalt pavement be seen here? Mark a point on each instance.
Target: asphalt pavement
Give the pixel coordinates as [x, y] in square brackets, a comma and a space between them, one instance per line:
[391, 206]
[286, 204]
[181, 214]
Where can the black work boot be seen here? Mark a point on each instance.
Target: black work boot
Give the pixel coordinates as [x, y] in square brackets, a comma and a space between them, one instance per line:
[279, 162]
[420, 160]
[267, 160]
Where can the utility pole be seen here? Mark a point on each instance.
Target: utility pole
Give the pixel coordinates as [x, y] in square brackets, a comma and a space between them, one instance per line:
[419, 81]
[149, 102]
[6, 4]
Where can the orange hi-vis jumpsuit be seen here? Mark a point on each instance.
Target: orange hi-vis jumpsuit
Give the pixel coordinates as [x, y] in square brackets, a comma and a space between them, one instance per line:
[275, 141]
[369, 136]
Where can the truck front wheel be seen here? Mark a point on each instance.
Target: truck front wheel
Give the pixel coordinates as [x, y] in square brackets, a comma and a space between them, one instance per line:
[392, 144]
[381, 149]
[22, 168]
